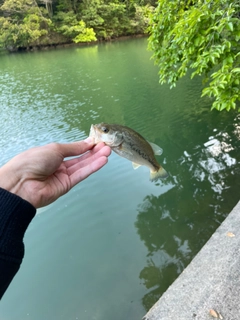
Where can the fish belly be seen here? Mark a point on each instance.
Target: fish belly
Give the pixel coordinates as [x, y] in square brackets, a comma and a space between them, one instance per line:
[135, 157]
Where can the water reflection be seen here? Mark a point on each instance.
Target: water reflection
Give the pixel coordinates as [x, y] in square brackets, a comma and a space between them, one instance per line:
[176, 224]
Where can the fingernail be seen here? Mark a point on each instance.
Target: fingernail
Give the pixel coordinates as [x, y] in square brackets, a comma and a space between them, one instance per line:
[89, 140]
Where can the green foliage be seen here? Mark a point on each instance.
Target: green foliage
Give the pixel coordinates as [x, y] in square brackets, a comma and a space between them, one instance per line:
[140, 21]
[28, 22]
[24, 23]
[114, 18]
[202, 36]
[108, 19]
[74, 29]
[17, 7]
[111, 19]
[89, 11]
[67, 5]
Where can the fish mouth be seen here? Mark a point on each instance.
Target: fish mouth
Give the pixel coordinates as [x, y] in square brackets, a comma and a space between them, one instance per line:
[94, 133]
[94, 127]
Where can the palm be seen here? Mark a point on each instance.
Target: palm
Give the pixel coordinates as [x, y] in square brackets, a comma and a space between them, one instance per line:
[46, 189]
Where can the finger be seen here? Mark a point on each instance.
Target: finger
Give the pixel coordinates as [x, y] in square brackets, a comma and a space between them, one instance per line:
[86, 171]
[75, 148]
[105, 151]
[83, 161]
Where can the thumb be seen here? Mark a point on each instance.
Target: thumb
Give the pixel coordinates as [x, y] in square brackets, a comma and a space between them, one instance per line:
[75, 148]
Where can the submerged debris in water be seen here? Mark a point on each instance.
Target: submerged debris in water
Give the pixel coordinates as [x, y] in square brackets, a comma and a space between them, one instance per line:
[230, 234]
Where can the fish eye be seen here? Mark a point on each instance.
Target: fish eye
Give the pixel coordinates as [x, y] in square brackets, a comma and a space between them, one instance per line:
[105, 130]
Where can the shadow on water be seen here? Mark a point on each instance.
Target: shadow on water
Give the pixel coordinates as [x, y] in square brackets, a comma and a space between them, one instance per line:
[175, 225]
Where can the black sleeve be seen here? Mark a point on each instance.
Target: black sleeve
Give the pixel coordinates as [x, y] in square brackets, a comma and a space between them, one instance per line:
[15, 216]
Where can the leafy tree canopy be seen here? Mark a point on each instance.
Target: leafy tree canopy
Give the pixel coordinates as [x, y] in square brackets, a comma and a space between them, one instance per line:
[27, 23]
[74, 29]
[22, 22]
[201, 36]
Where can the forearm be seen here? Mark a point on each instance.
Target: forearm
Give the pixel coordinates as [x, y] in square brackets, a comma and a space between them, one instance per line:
[15, 216]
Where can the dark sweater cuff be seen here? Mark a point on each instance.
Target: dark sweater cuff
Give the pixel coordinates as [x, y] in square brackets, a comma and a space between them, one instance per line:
[15, 216]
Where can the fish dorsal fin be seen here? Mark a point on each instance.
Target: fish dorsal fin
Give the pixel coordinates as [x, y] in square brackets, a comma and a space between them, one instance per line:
[156, 149]
[135, 165]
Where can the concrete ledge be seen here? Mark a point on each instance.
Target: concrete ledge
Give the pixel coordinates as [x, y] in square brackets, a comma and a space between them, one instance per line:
[211, 280]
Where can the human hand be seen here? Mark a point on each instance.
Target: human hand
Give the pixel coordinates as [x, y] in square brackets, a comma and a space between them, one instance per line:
[41, 175]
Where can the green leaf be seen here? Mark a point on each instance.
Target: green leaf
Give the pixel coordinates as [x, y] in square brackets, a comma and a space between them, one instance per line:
[202, 37]
[230, 26]
[236, 70]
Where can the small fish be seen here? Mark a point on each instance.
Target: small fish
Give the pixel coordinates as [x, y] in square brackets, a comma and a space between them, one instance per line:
[131, 145]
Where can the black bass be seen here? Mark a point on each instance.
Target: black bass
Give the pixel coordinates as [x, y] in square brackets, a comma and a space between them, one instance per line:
[131, 145]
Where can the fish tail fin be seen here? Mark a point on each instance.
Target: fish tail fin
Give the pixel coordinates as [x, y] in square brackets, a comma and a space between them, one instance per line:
[161, 173]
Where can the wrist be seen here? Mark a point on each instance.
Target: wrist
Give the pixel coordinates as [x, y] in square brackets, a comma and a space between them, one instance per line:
[8, 180]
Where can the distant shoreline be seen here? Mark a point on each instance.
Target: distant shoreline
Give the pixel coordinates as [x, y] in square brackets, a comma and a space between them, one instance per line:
[42, 47]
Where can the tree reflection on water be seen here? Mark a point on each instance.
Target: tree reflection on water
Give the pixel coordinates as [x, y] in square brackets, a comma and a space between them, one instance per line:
[175, 225]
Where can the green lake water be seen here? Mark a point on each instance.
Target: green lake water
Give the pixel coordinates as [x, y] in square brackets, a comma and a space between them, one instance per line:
[109, 248]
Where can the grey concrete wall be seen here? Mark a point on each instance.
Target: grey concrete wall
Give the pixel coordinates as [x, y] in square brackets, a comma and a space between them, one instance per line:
[210, 282]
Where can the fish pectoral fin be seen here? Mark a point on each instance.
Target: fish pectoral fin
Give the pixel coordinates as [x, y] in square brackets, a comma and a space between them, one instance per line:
[122, 151]
[156, 149]
[135, 165]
